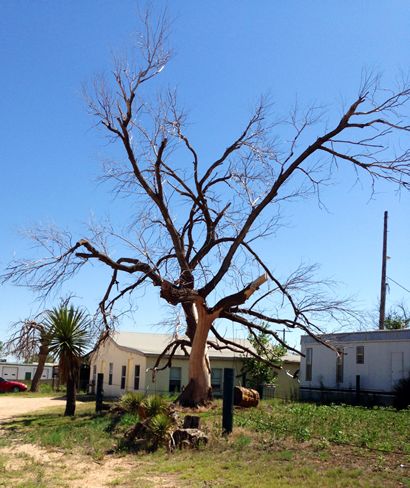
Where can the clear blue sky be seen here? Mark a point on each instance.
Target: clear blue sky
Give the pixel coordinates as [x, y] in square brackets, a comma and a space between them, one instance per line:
[226, 54]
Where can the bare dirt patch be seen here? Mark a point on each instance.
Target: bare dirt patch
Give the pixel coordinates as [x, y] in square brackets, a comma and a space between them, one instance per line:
[13, 406]
[75, 471]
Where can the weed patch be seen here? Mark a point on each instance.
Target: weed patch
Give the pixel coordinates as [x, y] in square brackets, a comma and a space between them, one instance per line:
[378, 428]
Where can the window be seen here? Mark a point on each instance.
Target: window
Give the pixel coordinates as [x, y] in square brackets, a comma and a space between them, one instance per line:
[123, 376]
[137, 377]
[309, 364]
[174, 380]
[110, 373]
[216, 379]
[360, 355]
[339, 366]
[27, 375]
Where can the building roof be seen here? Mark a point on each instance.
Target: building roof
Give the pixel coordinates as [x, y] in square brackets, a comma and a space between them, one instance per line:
[363, 336]
[151, 344]
[13, 363]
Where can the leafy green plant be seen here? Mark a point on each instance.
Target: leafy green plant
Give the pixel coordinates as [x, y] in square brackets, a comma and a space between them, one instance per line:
[380, 428]
[152, 405]
[397, 318]
[131, 401]
[160, 427]
[259, 370]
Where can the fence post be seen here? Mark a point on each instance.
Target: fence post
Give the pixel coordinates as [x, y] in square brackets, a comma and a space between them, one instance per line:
[100, 393]
[227, 406]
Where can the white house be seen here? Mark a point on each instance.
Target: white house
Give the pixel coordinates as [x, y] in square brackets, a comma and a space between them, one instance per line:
[16, 371]
[125, 360]
[366, 370]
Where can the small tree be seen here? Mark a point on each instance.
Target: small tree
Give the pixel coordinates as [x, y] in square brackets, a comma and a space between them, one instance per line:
[31, 339]
[260, 369]
[1, 348]
[397, 318]
[70, 336]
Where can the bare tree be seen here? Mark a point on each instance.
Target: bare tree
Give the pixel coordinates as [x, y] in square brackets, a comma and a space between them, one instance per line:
[196, 224]
[31, 338]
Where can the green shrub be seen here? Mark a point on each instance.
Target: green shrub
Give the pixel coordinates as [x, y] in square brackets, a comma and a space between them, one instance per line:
[131, 401]
[152, 405]
[160, 426]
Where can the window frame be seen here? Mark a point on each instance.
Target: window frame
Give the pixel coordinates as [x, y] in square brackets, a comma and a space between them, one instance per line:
[217, 387]
[110, 372]
[174, 385]
[137, 376]
[359, 354]
[123, 377]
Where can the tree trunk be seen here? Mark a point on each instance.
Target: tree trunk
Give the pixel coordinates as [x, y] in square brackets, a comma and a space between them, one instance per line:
[199, 390]
[42, 357]
[71, 396]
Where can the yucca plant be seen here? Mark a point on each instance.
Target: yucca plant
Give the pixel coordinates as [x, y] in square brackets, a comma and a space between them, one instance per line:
[131, 401]
[70, 336]
[160, 427]
[152, 405]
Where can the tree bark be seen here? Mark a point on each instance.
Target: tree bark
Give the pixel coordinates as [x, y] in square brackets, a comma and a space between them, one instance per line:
[199, 391]
[42, 357]
[71, 396]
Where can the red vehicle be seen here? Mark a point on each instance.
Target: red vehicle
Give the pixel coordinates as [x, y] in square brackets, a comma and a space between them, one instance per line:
[11, 386]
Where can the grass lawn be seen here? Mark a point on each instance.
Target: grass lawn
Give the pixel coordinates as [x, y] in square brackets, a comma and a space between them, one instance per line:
[275, 445]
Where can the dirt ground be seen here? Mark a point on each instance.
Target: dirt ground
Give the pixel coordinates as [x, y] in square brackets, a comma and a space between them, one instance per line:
[61, 468]
[72, 471]
[11, 406]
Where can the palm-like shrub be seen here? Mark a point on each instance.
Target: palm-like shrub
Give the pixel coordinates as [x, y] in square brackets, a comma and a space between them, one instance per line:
[152, 405]
[160, 427]
[70, 335]
[131, 401]
[155, 425]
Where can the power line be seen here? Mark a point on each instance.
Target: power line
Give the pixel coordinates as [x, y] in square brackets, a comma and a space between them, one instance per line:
[398, 284]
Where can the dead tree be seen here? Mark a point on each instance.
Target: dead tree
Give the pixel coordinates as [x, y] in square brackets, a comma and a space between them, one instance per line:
[30, 339]
[196, 223]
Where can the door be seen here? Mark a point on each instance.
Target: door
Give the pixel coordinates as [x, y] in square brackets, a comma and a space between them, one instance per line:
[10, 373]
[397, 369]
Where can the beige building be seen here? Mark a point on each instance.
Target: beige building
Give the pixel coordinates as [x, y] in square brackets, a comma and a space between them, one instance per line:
[126, 359]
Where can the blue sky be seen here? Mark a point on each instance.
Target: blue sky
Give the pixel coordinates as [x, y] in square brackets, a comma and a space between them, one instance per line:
[226, 54]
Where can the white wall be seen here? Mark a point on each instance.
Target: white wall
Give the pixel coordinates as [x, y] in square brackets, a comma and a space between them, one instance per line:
[378, 373]
[14, 371]
[108, 353]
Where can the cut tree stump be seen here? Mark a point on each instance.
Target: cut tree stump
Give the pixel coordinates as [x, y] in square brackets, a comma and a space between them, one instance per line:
[245, 397]
[189, 438]
[191, 422]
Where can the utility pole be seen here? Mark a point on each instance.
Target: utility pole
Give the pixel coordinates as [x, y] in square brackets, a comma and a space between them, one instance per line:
[382, 312]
